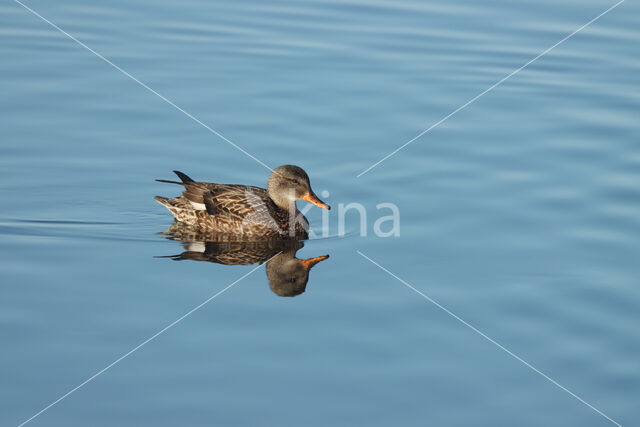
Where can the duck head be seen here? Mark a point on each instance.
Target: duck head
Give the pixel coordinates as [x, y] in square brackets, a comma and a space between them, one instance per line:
[289, 183]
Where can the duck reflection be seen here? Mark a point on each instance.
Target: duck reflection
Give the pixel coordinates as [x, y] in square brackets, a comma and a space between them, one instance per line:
[287, 275]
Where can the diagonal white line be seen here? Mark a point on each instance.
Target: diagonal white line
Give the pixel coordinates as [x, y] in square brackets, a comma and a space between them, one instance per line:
[136, 348]
[168, 101]
[491, 340]
[490, 88]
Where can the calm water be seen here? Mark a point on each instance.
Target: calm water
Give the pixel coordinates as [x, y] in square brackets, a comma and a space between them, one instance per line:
[520, 214]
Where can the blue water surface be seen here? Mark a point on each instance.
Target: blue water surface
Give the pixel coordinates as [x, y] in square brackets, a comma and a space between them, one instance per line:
[520, 213]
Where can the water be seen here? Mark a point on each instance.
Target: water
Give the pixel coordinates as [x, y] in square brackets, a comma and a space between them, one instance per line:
[520, 214]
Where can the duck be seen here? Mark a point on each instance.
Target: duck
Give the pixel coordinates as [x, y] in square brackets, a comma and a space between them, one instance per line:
[243, 211]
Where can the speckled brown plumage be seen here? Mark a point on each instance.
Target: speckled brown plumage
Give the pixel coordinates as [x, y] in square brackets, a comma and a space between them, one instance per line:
[238, 210]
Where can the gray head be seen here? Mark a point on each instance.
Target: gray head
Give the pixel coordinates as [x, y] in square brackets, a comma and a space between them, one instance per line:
[289, 183]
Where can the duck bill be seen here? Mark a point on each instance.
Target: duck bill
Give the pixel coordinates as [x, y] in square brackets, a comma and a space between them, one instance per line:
[310, 262]
[312, 198]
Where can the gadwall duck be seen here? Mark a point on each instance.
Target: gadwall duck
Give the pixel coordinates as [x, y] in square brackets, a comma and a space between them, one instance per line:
[245, 211]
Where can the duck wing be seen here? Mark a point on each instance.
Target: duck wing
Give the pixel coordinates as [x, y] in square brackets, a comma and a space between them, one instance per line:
[243, 203]
[237, 201]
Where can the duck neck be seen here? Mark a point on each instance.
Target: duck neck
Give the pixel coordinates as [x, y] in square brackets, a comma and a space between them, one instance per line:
[283, 200]
[286, 204]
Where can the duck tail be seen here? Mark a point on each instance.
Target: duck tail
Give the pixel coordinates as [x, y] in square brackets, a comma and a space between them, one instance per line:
[163, 201]
[183, 177]
[175, 206]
